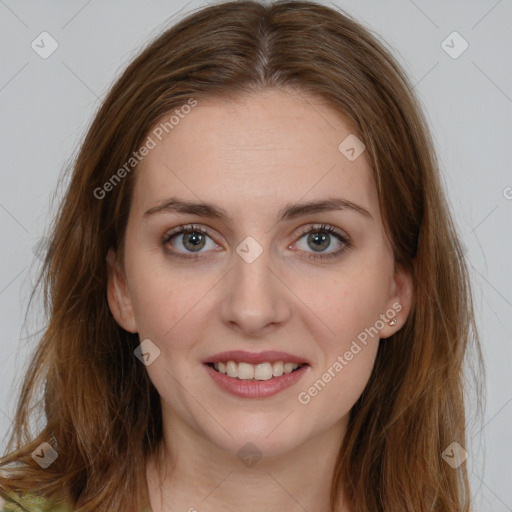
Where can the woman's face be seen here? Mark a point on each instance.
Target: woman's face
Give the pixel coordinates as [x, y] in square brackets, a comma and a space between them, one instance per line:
[264, 276]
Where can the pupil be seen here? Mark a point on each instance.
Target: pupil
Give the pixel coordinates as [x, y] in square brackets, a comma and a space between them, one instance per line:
[319, 241]
[195, 239]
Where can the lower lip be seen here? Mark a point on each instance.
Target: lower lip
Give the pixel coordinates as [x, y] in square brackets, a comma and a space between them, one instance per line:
[256, 388]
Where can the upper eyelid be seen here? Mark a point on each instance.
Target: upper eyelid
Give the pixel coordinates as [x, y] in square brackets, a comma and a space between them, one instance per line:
[324, 226]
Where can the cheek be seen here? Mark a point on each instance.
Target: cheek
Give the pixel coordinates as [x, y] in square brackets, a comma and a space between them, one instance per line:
[355, 301]
[334, 390]
[166, 298]
[346, 303]
[356, 298]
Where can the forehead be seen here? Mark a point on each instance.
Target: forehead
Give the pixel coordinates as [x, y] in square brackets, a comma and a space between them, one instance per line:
[266, 148]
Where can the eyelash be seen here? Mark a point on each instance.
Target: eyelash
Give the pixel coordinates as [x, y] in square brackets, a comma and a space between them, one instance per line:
[323, 228]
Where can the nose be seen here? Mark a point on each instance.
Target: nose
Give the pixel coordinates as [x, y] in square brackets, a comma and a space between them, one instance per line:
[255, 299]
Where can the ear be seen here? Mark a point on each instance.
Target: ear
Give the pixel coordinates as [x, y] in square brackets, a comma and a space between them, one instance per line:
[118, 295]
[400, 302]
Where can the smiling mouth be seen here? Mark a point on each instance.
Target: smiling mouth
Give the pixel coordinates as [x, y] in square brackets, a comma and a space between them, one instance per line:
[255, 372]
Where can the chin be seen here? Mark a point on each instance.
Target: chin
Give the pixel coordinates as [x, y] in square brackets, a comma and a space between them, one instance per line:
[266, 439]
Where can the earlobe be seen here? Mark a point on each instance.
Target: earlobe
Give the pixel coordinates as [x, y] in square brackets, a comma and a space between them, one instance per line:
[118, 295]
[400, 302]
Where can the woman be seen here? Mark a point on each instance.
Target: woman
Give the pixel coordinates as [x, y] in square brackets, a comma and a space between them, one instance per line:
[255, 290]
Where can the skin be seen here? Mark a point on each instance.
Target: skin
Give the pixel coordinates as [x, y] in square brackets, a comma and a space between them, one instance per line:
[251, 157]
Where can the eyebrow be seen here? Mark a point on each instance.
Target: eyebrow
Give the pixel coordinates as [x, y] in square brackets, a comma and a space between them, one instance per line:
[289, 211]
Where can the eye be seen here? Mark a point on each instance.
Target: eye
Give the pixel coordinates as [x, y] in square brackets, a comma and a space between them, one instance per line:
[321, 238]
[188, 239]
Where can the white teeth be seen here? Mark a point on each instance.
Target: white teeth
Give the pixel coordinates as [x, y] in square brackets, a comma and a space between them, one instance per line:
[231, 369]
[245, 371]
[262, 371]
[277, 369]
[289, 367]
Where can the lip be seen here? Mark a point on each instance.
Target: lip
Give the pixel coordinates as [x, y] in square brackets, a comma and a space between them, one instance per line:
[255, 388]
[267, 356]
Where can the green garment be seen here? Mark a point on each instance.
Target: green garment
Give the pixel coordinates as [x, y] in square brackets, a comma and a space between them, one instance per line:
[12, 502]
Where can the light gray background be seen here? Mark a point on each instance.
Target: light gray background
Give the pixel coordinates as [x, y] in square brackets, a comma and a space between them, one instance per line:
[46, 105]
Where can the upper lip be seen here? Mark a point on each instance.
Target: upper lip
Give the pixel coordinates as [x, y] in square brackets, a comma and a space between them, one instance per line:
[267, 356]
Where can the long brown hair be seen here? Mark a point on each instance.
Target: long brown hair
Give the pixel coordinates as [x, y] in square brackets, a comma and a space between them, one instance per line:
[101, 412]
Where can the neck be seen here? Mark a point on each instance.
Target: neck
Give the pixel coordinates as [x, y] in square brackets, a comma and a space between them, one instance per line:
[191, 474]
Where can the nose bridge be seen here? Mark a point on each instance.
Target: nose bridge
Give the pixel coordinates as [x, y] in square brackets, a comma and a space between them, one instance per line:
[252, 276]
[255, 296]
